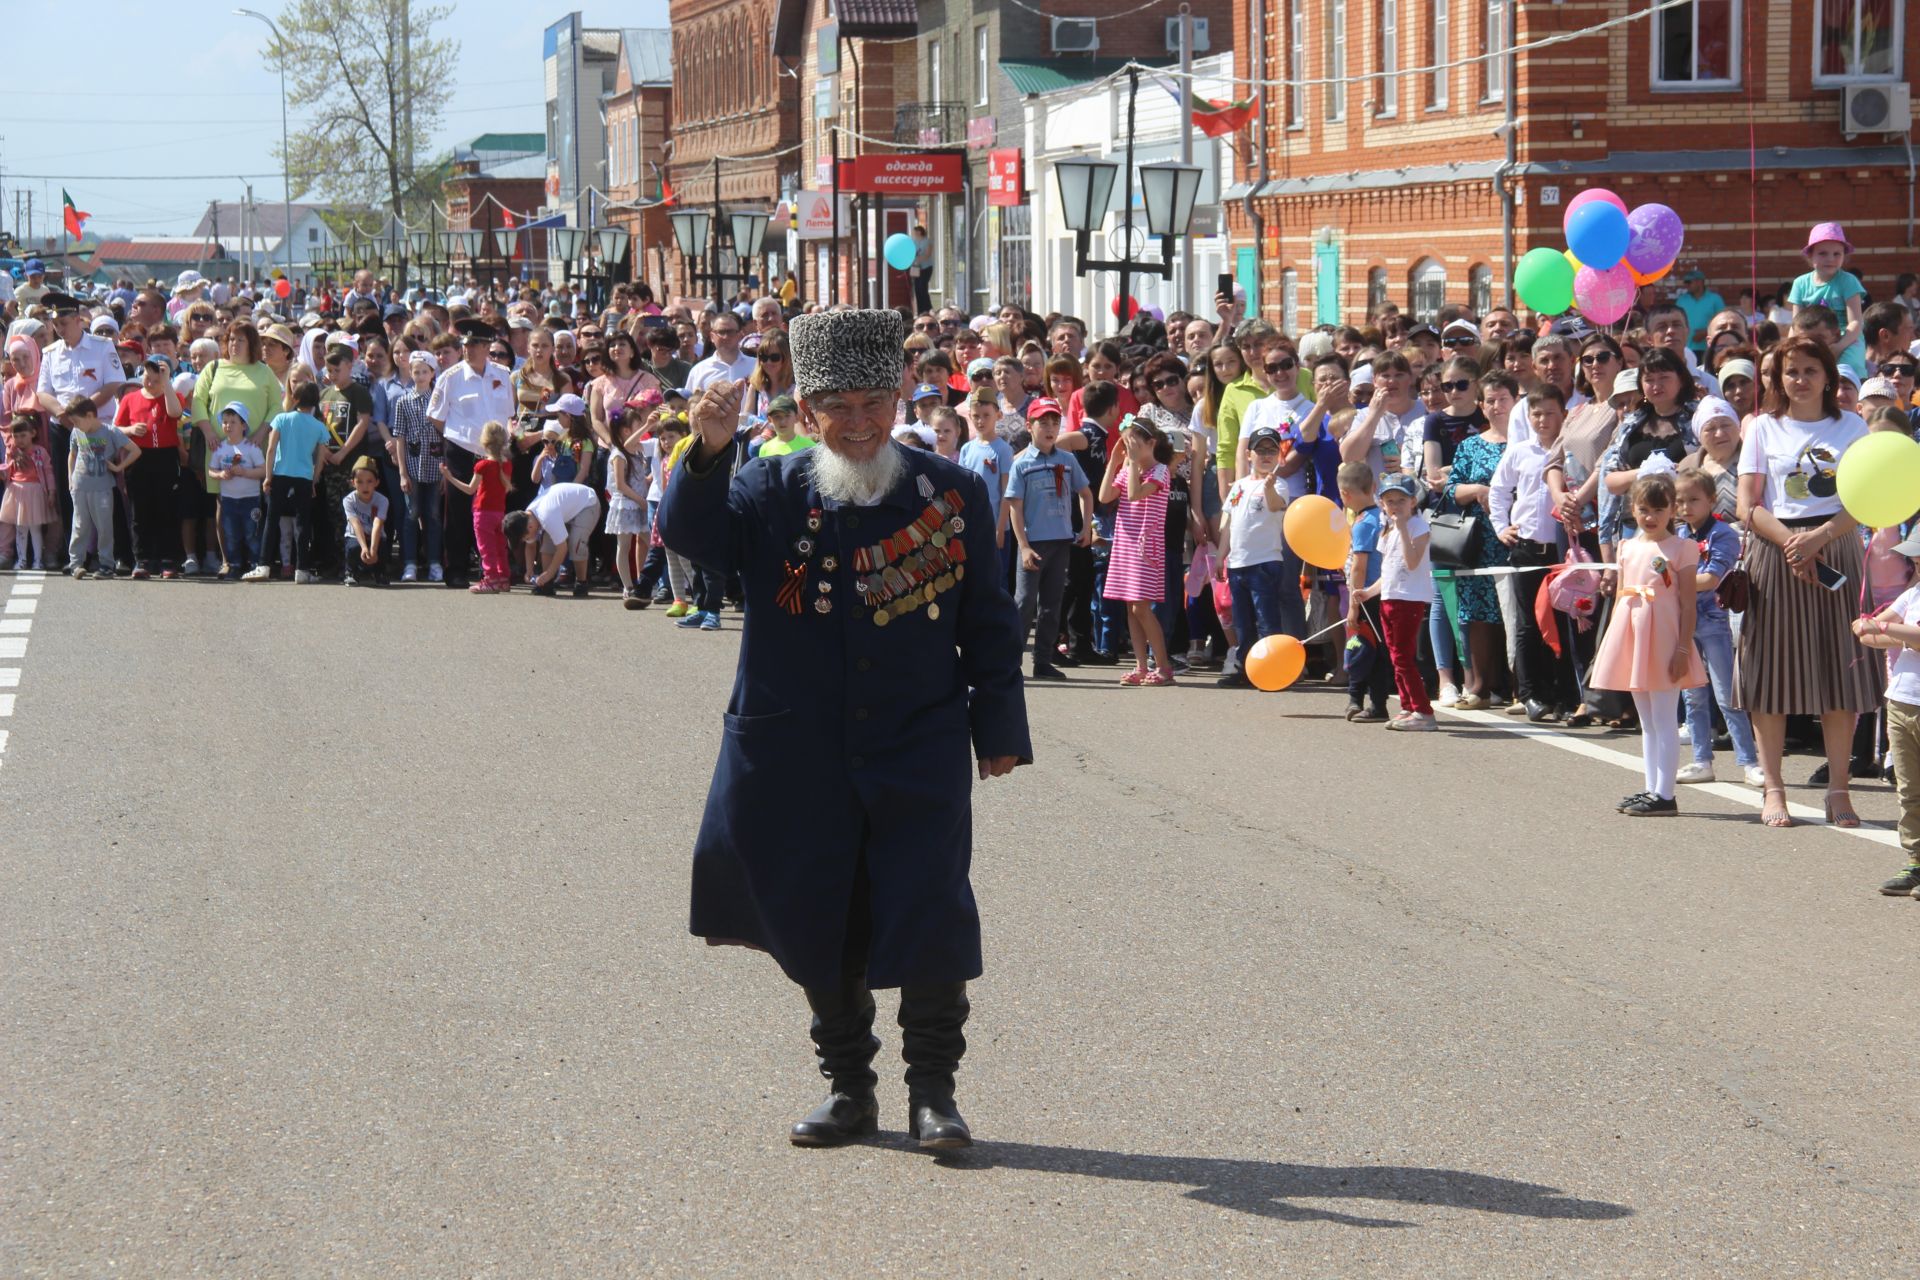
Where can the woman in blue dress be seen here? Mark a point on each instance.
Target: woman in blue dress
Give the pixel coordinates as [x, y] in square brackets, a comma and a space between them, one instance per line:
[1466, 492]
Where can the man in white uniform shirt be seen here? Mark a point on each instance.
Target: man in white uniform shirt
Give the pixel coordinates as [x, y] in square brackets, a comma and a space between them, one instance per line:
[726, 361]
[466, 398]
[77, 364]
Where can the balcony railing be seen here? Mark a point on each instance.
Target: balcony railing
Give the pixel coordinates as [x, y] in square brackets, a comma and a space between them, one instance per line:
[930, 124]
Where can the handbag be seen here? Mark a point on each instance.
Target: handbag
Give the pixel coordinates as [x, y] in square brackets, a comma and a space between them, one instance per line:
[1451, 540]
[1736, 586]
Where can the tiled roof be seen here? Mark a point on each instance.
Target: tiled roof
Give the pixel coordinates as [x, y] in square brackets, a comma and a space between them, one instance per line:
[863, 14]
[149, 251]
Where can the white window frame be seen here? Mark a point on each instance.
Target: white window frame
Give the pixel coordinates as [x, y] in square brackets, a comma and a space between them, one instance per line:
[982, 65]
[1387, 104]
[1376, 288]
[1336, 60]
[1498, 29]
[1297, 63]
[1428, 271]
[1691, 14]
[1480, 289]
[1437, 80]
[1899, 8]
[1290, 301]
[933, 70]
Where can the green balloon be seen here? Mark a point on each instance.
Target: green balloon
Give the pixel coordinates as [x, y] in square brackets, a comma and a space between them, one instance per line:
[1544, 280]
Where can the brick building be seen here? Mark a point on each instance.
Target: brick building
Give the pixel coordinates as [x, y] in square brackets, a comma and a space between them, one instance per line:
[731, 103]
[495, 174]
[636, 114]
[1400, 182]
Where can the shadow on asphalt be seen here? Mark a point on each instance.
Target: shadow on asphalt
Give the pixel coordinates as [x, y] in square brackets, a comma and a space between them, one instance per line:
[1270, 1189]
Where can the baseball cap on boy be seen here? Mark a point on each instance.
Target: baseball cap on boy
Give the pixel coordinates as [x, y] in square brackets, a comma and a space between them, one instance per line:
[1399, 482]
[1040, 406]
[927, 390]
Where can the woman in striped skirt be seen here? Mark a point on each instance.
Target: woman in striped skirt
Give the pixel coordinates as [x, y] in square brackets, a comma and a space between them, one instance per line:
[1797, 656]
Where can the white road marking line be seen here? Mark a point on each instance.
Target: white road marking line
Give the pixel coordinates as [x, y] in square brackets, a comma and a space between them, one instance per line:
[1747, 796]
[22, 606]
[28, 588]
[6, 704]
[9, 677]
[15, 626]
[13, 648]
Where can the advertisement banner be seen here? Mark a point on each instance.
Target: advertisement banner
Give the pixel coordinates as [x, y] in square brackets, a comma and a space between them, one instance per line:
[813, 215]
[905, 173]
[1005, 177]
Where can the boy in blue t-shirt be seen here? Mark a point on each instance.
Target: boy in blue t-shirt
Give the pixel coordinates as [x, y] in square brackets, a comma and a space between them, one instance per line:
[1369, 673]
[989, 457]
[297, 445]
[1043, 484]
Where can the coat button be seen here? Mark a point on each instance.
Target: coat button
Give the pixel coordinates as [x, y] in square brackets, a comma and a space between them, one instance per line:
[858, 762]
[853, 522]
[865, 664]
[860, 713]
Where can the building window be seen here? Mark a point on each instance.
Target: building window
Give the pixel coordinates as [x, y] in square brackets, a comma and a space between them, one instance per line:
[1429, 288]
[933, 72]
[313, 235]
[982, 66]
[1857, 40]
[1387, 97]
[1480, 290]
[1289, 301]
[1376, 289]
[1693, 44]
[1336, 59]
[1297, 62]
[1437, 90]
[1499, 36]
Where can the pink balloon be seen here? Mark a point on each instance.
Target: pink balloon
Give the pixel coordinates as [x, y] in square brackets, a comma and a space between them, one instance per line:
[1591, 194]
[1603, 296]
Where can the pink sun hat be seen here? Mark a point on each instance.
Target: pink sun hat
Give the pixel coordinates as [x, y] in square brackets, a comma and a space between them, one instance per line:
[1824, 232]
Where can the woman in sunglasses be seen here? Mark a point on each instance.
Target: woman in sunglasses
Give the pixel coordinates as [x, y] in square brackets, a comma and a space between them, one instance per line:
[772, 375]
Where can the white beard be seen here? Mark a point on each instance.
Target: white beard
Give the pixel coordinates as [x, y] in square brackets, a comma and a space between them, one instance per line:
[857, 484]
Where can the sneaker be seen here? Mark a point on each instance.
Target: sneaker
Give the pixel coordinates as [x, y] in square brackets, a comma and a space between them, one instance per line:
[1755, 775]
[1516, 708]
[709, 622]
[1449, 695]
[679, 609]
[579, 591]
[1367, 715]
[1686, 734]
[410, 574]
[631, 598]
[1902, 885]
[140, 573]
[436, 574]
[259, 573]
[1694, 771]
[350, 580]
[1414, 722]
[1651, 806]
[105, 572]
[79, 571]
[303, 577]
[690, 619]
[663, 596]
[1355, 710]
[549, 589]
[1041, 671]
[1635, 798]
[1233, 680]
[190, 566]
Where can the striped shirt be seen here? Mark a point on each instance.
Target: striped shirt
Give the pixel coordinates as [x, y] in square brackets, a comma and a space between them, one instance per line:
[418, 436]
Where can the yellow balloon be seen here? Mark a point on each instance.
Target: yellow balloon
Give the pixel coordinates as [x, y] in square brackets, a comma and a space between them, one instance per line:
[1568, 255]
[1317, 531]
[1879, 479]
[1276, 662]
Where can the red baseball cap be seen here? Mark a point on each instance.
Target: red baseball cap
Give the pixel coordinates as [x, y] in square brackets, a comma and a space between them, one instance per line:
[1040, 406]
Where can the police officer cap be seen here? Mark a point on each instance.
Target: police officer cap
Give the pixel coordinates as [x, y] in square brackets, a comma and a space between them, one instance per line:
[847, 351]
[475, 331]
[63, 304]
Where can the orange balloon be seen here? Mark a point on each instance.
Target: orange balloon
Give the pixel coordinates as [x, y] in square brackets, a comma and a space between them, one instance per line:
[1276, 662]
[1317, 531]
[1649, 279]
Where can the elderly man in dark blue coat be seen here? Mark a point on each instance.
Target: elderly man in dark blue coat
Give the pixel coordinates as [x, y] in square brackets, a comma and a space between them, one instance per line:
[879, 671]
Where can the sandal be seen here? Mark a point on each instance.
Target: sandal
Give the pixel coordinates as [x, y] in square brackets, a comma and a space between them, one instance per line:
[1134, 678]
[1581, 718]
[1775, 818]
[1159, 678]
[1846, 819]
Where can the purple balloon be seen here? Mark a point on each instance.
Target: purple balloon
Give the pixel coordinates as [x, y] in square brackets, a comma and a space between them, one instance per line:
[1603, 296]
[1654, 236]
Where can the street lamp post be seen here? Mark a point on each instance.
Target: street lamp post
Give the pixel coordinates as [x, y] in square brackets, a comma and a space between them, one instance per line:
[690, 233]
[1167, 190]
[286, 157]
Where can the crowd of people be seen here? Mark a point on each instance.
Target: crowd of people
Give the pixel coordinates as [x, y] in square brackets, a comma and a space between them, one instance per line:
[1635, 528]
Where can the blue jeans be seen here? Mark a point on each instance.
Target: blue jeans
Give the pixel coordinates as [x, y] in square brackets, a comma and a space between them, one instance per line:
[423, 510]
[1109, 616]
[242, 520]
[1291, 604]
[1714, 639]
[397, 504]
[1259, 591]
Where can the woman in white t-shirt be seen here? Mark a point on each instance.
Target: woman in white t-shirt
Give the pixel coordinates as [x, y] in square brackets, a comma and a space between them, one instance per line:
[1807, 565]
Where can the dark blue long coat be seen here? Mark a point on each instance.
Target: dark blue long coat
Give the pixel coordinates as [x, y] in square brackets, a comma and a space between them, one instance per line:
[844, 738]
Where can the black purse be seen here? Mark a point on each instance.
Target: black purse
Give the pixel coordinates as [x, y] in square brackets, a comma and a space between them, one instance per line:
[1451, 540]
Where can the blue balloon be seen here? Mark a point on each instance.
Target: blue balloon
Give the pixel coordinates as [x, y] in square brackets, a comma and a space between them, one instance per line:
[1598, 234]
[901, 250]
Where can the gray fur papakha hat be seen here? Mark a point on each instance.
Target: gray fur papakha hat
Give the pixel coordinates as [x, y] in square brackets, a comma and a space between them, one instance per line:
[847, 350]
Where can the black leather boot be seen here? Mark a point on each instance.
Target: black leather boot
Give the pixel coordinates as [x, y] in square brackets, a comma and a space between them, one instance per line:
[931, 1041]
[844, 1044]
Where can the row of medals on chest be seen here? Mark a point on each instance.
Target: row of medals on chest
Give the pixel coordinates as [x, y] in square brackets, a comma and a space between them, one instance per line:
[907, 571]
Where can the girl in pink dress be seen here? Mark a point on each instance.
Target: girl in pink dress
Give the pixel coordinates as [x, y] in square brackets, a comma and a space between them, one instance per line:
[1137, 563]
[1648, 650]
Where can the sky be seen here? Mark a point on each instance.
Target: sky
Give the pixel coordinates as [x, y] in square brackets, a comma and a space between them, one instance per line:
[199, 102]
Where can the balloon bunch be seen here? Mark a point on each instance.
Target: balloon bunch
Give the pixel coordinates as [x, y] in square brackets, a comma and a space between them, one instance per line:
[1611, 251]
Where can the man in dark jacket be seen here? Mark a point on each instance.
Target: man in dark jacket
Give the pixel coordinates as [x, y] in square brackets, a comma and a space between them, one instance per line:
[879, 647]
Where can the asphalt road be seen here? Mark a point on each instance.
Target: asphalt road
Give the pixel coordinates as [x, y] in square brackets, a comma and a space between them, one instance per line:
[344, 934]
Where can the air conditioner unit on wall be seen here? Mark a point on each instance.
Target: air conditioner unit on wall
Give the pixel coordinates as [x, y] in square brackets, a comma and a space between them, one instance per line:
[1200, 42]
[1076, 35]
[1876, 108]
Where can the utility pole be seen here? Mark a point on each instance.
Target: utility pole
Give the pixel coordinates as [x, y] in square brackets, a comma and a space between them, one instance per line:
[1185, 287]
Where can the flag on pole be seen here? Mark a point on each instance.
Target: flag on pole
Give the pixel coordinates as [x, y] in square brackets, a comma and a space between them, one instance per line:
[76, 218]
[666, 188]
[1217, 119]
[506, 222]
